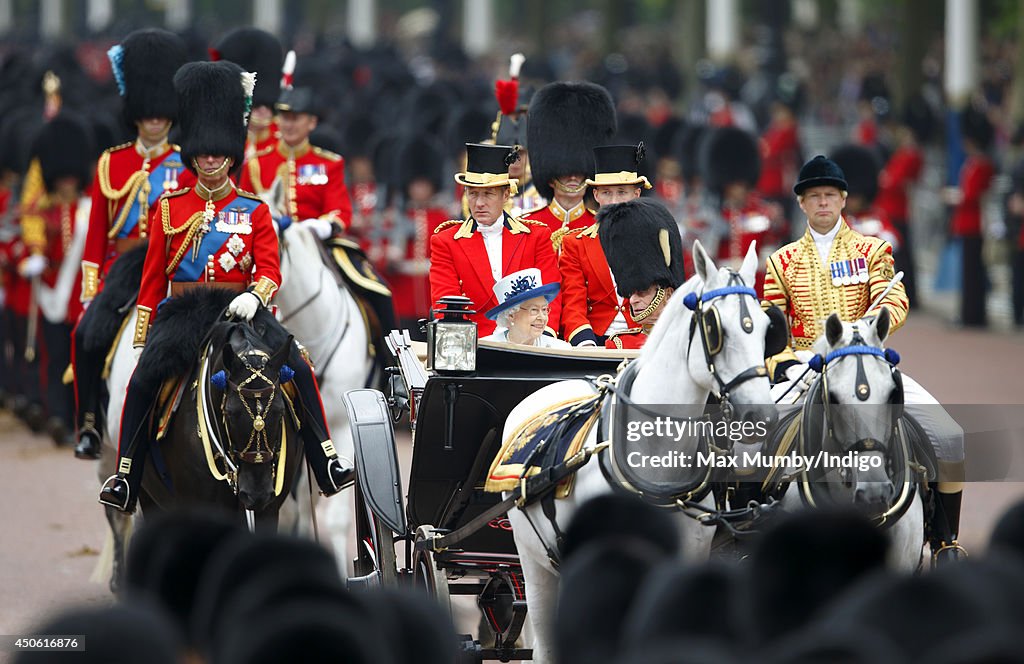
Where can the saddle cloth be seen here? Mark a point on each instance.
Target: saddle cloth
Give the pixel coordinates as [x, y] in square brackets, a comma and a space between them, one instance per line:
[559, 433]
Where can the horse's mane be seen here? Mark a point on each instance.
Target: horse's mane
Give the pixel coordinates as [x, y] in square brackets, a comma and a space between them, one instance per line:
[673, 310]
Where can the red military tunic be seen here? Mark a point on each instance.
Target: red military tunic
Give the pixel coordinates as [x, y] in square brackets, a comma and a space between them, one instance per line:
[314, 181]
[239, 247]
[589, 300]
[364, 211]
[975, 178]
[895, 180]
[459, 264]
[64, 224]
[259, 142]
[874, 222]
[408, 264]
[780, 157]
[560, 221]
[631, 339]
[127, 185]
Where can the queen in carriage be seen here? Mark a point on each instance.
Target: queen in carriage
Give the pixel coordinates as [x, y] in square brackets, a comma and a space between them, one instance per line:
[522, 311]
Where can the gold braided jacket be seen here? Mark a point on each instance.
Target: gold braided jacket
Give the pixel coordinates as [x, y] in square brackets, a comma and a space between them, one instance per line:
[798, 282]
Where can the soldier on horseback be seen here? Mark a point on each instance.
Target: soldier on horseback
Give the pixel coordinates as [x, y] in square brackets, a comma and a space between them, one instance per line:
[212, 236]
[836, 269]
[129, 180]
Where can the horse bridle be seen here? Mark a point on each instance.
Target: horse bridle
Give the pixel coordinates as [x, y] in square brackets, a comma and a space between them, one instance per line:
[707, 320]
[859, 349]
[257, 449]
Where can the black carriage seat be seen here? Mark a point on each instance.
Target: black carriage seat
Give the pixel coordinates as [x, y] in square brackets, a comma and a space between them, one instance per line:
[459, 428]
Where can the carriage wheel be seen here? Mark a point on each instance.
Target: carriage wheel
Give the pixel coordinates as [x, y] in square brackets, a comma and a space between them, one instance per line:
[427, 576]
[375, 545]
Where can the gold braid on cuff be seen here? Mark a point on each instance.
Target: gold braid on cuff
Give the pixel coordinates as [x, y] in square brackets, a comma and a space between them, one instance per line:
[264, 290]
[90, 280]
[143, 314]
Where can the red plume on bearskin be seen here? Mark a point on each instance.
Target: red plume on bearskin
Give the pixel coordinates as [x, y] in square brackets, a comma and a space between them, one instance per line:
[507, 93]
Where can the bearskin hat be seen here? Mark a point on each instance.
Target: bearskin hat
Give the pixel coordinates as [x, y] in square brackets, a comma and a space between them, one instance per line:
[687, 148]
[144, 65]
[861, 167]
[975, 126]
[420, 157]
[212, 111]
[65, 148]
[919, 118]
[567, 121]
[730, 154]
[256, 51]
[470, 125]
[641, 241]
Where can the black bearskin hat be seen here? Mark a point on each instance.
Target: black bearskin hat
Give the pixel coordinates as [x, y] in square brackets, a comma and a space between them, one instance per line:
[687, 146]
[357, 138]
[861, 167]
[256, 51]
[918, 116]
[65, 148]
[212, 111]
[144, 67]
[641, 241]
[820, 172]
[975, 126]
[728, 155]
[567, 121]
[420, 157]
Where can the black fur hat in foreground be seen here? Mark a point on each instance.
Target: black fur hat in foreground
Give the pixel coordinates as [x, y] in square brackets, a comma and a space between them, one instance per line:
[641, 241]
[212, 111]
[567, 121]
[147, 63]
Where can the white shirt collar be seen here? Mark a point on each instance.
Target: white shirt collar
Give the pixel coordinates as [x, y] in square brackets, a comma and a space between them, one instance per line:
[823, 241]
[493, 229]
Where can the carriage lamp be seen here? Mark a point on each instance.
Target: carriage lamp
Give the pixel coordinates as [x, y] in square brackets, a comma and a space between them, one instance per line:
[451, 339]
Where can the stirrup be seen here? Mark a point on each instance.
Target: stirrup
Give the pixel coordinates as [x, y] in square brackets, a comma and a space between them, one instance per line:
[110, 497]
[948, 553]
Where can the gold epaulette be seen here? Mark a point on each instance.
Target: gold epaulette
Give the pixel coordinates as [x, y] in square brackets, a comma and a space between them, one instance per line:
[176, 192]
[129, 144]
[326, 154]
[556, 238]
[532, 222]
[248, 194]
[262, 153]
[589, 231]
[447, 224]
[536, 209]
[175, 147]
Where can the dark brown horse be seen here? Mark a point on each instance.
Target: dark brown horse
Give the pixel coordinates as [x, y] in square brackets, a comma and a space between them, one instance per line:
[233, 441]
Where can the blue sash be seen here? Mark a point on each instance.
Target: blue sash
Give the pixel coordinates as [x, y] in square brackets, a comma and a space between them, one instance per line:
[166, 173]
[236, 213]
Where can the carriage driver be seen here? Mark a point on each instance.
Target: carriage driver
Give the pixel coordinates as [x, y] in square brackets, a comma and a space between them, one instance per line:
[641, 241]
[217, 236]
[832, 268]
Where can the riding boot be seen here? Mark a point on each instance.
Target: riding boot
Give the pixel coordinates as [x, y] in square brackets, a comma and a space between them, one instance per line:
[121, 491]
[332, 472]
[88, 380]
[944, 528]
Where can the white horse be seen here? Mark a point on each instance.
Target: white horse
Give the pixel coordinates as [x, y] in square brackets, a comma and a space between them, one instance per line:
[327, 320]
[858, 425]
[673, 368]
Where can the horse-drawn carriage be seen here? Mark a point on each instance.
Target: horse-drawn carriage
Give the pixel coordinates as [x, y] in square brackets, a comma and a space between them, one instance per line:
[457, 421]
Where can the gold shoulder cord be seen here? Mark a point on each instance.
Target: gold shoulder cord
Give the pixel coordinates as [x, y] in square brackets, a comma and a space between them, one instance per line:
[190, 227]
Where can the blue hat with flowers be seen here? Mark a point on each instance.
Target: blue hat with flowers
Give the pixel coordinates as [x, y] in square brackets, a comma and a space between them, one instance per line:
[519, 287]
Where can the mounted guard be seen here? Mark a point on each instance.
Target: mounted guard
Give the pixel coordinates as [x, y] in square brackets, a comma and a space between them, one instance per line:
[129, 180]
[213, 236]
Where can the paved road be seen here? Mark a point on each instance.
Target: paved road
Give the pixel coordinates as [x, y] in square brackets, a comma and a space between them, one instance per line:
[53, 529]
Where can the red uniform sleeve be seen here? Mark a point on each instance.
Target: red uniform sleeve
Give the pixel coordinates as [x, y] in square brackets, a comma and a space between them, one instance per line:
[976, 182]
[153, 288]
[245, 180]
[443, 279]
[337, 202]
[265, 248]
[99, 223]
[574, 289]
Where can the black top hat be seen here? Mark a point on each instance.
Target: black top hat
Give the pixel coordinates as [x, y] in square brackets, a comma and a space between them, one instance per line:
[212, 111]
[820, 172]
[618, 164]
[298, 100]
[257, 51]
[144, 65]
[641, 241]
[487, 166]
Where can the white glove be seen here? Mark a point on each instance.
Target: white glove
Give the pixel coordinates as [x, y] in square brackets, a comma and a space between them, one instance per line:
[320, 227]
[794, 372]
[137, 352]
[32, 266]
[244, 306]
